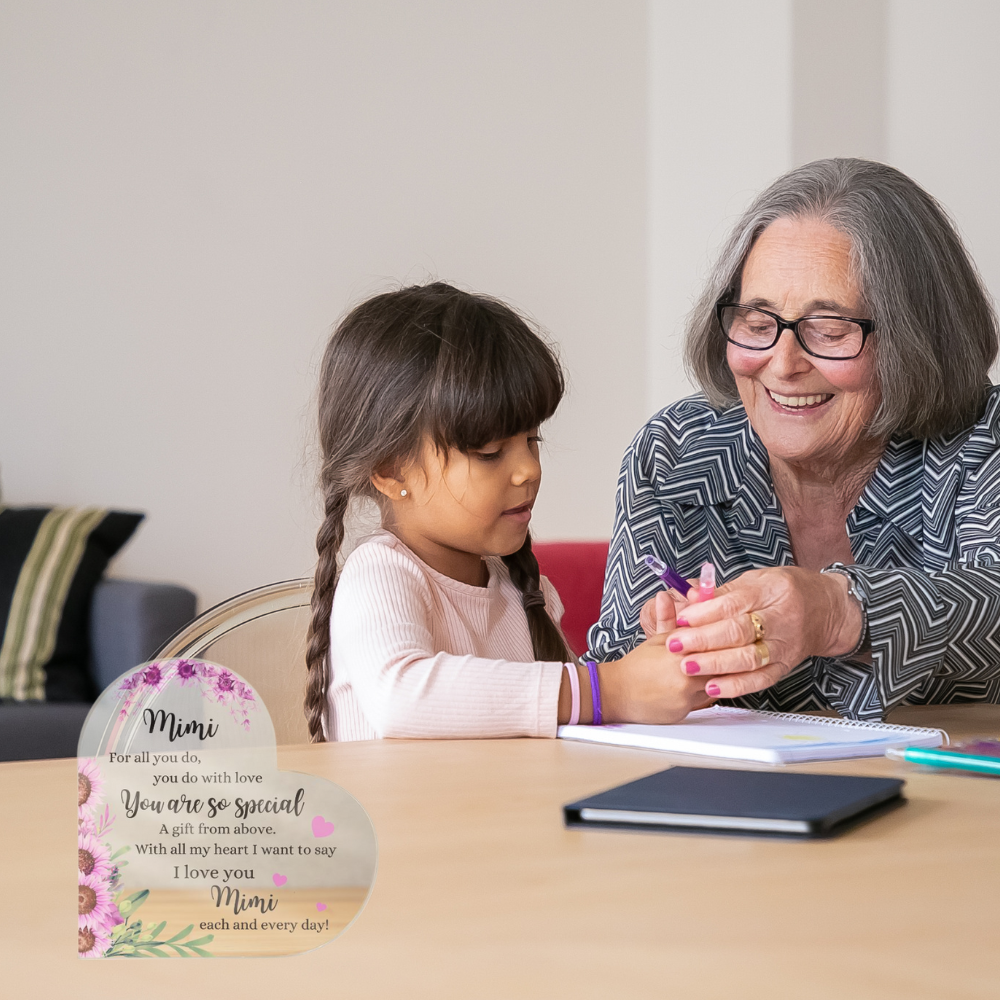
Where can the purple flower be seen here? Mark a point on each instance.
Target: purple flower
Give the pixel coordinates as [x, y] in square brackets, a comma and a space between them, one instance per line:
[130, 683]
[243, 691]
[186, 671]
[225, 682]
[152, 674]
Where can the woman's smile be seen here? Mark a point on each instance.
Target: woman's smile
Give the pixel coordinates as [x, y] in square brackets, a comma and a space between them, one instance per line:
[799, 403]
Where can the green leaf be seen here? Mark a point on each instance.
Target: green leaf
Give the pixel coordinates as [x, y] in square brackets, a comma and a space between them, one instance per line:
[133, 902]
[156, 930]
[159, 953]
[119, 852]
[187, 930]
[200, 951]
[202, 940]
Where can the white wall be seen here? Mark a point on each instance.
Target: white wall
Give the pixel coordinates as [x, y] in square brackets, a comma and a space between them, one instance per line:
[719, 131]
[944, 114]
[191, 193]
[839, 79]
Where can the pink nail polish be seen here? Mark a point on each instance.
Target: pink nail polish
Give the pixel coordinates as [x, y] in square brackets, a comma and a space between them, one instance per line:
[675, 645]
[712, 690]
[691, 667]
[682, 623]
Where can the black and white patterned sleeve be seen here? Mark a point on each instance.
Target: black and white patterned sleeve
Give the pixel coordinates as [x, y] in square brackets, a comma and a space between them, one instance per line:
[935, 632]
[934, 637]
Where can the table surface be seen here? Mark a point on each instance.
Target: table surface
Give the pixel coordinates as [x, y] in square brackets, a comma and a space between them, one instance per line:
[481, 892]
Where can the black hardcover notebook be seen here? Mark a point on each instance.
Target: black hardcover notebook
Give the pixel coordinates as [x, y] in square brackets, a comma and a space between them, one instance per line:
[707, 799]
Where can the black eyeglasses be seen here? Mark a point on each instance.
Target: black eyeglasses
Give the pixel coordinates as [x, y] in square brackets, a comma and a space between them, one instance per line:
[832, 338]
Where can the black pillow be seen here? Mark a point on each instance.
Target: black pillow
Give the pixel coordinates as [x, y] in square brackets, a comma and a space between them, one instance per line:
[51, 558]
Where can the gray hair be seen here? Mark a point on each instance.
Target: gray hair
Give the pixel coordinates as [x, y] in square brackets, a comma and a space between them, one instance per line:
[935, 329]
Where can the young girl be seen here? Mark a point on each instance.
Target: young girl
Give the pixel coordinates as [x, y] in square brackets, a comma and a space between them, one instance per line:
[430, 404]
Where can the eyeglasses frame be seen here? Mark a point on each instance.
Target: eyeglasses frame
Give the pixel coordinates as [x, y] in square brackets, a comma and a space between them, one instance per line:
[867, 326]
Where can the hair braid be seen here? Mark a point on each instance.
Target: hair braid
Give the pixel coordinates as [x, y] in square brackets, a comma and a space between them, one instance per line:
[547, 641]
[328, 542]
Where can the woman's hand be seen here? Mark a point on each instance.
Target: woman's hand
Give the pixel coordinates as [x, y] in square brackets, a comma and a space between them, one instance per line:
[648, 685]
[804, 613]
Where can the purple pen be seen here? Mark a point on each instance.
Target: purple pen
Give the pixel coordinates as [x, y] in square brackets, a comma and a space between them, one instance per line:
[669, 576]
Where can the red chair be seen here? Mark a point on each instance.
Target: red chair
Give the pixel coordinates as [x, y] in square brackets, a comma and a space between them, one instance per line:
[576, 570]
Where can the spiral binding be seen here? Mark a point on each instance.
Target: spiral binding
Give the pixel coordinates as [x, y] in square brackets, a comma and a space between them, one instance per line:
[850, 723]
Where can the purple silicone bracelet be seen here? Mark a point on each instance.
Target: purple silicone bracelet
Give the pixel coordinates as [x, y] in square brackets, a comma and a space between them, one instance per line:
[595, 691]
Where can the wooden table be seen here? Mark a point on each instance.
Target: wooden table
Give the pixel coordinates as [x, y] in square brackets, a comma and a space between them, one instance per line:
[481, 892]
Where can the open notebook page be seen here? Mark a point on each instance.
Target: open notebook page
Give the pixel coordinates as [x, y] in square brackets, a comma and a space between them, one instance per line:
[768, 737]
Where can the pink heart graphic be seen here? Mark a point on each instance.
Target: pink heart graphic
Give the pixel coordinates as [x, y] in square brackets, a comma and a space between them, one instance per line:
[279, 880]
[321, 828]
[321, 907]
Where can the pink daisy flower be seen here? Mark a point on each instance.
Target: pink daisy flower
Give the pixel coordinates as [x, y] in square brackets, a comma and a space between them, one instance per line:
[186, 672]
[93, 857]
[93, 941]
[153, 676]
[90, 785]
[225, 684]
[95, 907]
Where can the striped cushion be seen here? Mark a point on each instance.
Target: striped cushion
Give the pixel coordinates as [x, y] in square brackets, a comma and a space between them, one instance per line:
[51, 558]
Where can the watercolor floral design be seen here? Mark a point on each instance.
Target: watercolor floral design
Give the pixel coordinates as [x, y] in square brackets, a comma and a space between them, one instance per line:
[107, 927]
[217, 683]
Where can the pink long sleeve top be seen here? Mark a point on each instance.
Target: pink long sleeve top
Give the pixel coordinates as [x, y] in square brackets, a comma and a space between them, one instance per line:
[414, 653]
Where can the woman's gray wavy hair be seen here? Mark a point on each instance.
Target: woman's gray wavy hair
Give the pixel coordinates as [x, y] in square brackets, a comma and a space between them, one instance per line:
[935, 329]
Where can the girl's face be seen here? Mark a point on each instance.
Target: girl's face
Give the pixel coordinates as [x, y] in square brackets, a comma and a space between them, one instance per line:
[460, 507]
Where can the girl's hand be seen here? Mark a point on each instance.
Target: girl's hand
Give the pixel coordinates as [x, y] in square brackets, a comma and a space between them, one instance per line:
[804, 613]
[649, 686]
[659, 613]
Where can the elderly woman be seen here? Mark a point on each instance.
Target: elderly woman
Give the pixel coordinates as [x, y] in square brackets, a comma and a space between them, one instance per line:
[841, 468]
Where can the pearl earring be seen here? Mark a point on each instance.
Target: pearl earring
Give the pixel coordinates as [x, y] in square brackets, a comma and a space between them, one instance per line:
[402, 493]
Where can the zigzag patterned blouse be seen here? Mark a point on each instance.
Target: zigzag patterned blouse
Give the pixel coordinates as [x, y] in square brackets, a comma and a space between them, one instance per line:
[695, 485]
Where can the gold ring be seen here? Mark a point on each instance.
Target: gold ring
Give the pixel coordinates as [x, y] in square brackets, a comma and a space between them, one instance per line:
[758, 626]
[763, 652]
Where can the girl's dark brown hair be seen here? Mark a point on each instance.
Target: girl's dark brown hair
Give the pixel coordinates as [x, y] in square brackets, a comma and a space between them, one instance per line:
[430, 360]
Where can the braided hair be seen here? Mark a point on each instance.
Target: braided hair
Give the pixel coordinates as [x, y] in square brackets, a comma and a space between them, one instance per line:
[423, 361]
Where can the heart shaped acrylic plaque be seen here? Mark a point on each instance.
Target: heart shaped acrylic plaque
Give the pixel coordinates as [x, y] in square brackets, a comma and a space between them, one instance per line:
[191, 842]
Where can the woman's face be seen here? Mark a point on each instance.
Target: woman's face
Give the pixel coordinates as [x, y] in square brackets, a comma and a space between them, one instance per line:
[805, 409]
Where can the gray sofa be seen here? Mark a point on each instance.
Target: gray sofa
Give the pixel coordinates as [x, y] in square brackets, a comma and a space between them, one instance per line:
[129, 621]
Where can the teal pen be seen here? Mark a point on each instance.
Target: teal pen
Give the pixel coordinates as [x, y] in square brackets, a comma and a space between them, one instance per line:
[947, 758]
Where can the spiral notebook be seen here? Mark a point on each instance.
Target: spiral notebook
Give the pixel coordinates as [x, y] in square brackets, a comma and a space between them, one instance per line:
[767, 737]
